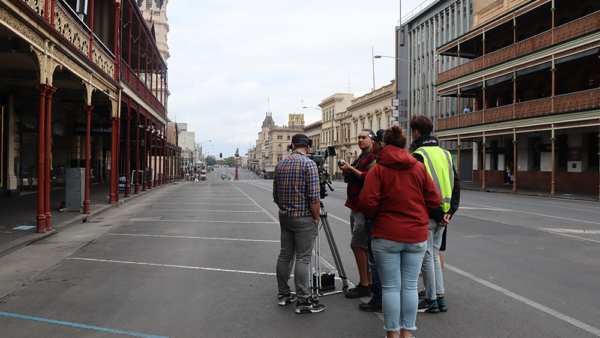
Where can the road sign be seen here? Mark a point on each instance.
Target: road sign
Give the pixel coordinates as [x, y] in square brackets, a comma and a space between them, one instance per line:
[395, 113]
[395, 102]
[395, 123]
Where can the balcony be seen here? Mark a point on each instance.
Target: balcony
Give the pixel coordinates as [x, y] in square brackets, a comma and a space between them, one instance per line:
[589, 99]
[553, 36]
[134, 81]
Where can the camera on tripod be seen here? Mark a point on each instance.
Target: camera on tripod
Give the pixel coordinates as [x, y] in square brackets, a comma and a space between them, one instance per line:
[319, 157]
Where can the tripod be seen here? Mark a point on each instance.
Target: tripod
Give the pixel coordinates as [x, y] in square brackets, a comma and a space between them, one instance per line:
[315, 262]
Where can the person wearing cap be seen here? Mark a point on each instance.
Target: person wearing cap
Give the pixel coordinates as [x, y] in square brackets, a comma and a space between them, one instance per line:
[355, 175]
[296, 193]
[374, 304]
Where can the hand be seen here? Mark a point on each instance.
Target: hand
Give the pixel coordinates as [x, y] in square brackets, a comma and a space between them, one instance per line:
[345, 166]
[316, 220]
[446, 220]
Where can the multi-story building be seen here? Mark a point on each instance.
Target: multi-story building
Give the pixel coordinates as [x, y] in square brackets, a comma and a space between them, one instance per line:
[85, 66]
[273, 141]
[155, 15]
[423, 31]
[534, 79]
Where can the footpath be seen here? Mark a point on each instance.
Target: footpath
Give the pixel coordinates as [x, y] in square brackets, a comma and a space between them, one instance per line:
[20, 212]
[508, 189]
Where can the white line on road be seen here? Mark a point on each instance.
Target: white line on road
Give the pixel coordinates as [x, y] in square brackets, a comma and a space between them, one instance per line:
[195, 220]
[204, 210]
[574, 231]
[258, 205]
[206, 203]
[527, 301]
[173, 266]
[195, 237]
[205, 198]
[533, 213]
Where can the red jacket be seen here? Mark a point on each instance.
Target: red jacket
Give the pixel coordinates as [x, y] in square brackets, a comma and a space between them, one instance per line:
[401, 194]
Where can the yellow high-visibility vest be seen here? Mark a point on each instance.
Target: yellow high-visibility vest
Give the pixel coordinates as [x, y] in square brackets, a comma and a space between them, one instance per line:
[439, 166]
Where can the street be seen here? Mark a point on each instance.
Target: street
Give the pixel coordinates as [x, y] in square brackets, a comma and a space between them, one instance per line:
[197, 259]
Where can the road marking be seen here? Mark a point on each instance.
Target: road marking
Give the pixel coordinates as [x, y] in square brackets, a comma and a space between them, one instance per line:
[195, 237]
[195, 220]
[328, 213]
[528, 301]
[81, 326]
[475, 208]
[202, 210]
[258, 205]
[206, 203]
[533, 213]
[205, 198]
[574, 231]
[173, 266]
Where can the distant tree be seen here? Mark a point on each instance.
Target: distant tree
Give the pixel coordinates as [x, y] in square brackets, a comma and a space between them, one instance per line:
[211, 160]
[230, 161]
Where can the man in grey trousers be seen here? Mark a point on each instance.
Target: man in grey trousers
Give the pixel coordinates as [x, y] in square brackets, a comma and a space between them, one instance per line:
[296, 193]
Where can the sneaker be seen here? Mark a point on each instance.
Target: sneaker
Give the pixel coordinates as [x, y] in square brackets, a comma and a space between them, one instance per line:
[428, 306]
[422, 293]
[371, 306]
[283, 300]
[309, 306]
[442, 304]
[358, 291]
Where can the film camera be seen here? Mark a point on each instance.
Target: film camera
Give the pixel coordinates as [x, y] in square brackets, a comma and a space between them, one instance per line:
[319, 157]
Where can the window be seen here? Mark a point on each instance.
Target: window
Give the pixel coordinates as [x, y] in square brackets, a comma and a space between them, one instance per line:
[356, 129]
[279, 149]
[378, 123]
[371, 124]
[148, 4]
[589, 81]
[363, 127]
[388, 121]
[288, 137]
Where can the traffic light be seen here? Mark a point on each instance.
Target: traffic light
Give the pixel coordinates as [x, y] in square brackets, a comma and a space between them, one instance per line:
[221, 155]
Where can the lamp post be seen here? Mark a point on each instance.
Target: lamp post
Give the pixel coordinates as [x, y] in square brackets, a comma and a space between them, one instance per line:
[237, 154]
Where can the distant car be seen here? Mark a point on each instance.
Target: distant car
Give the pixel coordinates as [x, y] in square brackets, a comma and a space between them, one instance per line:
[203, 177]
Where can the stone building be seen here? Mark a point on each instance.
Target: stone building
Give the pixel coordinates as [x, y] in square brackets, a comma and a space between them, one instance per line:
[534, 79]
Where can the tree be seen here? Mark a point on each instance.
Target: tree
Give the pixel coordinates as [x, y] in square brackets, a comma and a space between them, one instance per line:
[211, 160]
[230, 161]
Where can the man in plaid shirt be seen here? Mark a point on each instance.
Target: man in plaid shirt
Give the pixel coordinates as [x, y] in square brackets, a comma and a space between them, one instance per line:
[296, 193]
[355, 175]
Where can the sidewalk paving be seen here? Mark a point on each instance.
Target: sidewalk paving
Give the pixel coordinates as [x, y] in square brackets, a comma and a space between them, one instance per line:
[508, 189]
[22, 210]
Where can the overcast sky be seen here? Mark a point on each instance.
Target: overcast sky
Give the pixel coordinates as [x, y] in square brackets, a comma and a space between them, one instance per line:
[229, 56]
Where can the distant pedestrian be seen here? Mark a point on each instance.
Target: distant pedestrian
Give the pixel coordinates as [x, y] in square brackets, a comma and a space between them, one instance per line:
[296, 193]
[467, 109]
[400, 192]
[425, 148]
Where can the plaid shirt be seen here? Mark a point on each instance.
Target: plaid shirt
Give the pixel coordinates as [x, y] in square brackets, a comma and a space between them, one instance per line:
[355, 186]
[296, 184]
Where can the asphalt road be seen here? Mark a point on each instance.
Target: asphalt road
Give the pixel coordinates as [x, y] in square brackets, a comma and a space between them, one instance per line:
[197, 259]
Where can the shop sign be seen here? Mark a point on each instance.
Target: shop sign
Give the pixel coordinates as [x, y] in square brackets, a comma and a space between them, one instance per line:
[547, 148]
[59, 128]
[29, 121]
[122, 182]
[96, 129]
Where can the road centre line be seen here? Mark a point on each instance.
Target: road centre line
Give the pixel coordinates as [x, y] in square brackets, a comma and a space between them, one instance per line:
[204, 210]
[173, 266]
[527, 301]
[204, 203]
[258, 205]
[196, 220]
[328, 213]
[205, 198]
[81, 326]
[196, 237]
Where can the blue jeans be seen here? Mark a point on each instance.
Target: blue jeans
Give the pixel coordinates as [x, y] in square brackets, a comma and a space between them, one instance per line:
[432, 268]
[374, 273]
[399, 265]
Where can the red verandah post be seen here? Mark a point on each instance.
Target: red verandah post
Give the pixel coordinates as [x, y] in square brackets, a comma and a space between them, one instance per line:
[41, 216]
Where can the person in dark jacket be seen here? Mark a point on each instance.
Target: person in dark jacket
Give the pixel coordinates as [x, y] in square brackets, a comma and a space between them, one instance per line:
[425, 144]
[402, 194]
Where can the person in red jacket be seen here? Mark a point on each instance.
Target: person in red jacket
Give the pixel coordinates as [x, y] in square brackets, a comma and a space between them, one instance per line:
[400, 192]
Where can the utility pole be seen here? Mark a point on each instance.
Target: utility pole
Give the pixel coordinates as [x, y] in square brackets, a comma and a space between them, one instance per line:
[237, 154]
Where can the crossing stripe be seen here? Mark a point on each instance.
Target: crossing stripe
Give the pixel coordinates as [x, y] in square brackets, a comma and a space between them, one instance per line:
[196, 237]
[81, 326]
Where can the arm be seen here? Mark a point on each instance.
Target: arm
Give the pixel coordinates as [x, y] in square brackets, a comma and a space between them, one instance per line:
[315, 208]
[455, 194]
[275, 193]
[431, 195]
[370, 194]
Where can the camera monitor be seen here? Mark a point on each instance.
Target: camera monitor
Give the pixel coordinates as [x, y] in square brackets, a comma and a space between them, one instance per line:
[331, 151]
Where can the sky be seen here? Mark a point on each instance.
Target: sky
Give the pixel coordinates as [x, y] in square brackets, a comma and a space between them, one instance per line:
[234, 60]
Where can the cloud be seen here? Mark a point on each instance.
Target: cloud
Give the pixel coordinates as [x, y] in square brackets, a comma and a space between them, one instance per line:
[229, 56]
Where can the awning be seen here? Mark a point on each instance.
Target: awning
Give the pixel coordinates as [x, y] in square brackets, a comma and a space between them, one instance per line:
[473, 87]
[577, 56]
[498, 80]
[545, 65]
[453, 93]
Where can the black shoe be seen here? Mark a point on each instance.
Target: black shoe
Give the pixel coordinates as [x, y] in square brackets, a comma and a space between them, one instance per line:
[422, 293]
[309, 306]
[371, 306]
[358, 291]
[283, 300]
[442, 304]
[428, 306]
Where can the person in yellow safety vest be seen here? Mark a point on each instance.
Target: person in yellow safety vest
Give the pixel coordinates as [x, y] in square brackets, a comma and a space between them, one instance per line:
[425, 148]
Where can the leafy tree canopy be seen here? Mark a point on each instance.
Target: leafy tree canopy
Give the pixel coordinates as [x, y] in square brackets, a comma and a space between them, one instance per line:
[230, 161]
[211, 160]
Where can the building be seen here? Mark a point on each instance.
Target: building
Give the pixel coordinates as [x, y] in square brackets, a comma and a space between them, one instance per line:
[271, 146]
[313, 132]
[74, 94]
[187, 142]
[534, 79]
[422, 32]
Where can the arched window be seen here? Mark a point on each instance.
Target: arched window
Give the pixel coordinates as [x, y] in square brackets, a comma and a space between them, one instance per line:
[371, 124]
[279, 147]
[288, 137]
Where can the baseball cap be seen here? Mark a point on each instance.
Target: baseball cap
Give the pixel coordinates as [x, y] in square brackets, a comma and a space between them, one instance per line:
[301, 139]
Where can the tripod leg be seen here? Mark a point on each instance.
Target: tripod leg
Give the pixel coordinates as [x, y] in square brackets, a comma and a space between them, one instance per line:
[334, 251]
